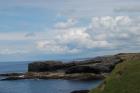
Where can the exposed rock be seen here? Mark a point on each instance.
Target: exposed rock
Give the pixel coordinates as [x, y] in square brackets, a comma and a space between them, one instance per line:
[14, 78]
[105, 66]
[44, 75]
[55, 65]
[81, 69]
[45, 66]
[80, 91]
[11, 74]
[97, 69]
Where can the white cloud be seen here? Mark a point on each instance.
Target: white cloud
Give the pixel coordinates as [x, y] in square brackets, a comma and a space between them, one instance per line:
[80, 37]
[109, 22]
[103, 33]
[118, 30]
[72, 40]
[63, 25]
[52, 47]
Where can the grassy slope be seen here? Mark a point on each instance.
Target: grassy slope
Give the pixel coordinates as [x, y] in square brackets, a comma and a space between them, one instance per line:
[125, 78]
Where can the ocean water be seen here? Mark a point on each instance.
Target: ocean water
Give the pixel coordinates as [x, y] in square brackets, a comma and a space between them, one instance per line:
[39, 86]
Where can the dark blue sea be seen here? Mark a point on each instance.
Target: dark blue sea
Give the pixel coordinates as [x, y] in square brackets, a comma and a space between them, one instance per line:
[39, 86]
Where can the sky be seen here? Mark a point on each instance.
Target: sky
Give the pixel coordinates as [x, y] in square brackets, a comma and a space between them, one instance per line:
[67, 29]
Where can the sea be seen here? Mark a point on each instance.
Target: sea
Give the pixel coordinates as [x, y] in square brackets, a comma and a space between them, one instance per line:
[39, 86]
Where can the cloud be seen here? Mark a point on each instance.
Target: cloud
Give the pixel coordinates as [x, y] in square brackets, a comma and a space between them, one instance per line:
[119, 30]
[110, 22]
[30, 34]
[72, 8]
[80, 37]
[12, 52]
[102, 33]
[11, 36]
[51, 47]
[128, 9]
[68, 24]
[72, 39]
[23, 36]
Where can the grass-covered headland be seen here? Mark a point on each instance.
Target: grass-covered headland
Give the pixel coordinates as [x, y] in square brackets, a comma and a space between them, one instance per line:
[125, 78]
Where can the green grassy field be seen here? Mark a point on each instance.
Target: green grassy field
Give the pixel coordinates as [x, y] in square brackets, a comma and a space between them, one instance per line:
[125, 78]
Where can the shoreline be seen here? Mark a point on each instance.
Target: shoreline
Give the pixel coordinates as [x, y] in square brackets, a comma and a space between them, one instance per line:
[92, 69]
[48, 75]
[88, 69]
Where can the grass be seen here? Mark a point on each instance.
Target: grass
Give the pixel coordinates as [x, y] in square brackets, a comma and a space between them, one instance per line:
[125, 78]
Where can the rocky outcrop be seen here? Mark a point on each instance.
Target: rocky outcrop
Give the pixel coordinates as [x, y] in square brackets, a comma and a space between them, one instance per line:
[80, 91]
[45, 66]
[97, 69]
[105, 65]
[55, 65]
[93, 65]
[11, 74]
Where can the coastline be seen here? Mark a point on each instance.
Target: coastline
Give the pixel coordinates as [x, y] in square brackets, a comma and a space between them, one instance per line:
[92, 69]
[89, 69]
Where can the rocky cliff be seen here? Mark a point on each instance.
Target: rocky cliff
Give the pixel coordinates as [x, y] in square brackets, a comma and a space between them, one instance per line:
[94, 65]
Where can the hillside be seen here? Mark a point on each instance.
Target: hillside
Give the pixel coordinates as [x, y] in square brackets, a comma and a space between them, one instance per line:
[125, 78]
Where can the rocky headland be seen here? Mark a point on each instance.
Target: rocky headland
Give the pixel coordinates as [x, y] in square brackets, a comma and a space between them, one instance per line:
[88, 69]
